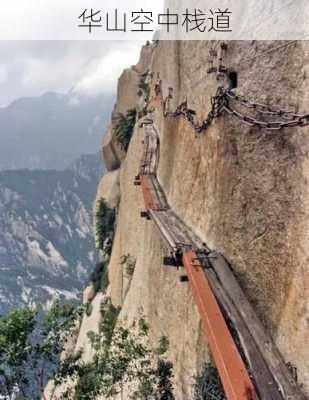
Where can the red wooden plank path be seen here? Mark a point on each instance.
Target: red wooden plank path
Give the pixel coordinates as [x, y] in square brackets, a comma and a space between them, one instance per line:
[232, 370]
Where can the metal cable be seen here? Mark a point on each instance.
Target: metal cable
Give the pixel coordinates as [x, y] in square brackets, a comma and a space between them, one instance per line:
[275, 48]
[269, 16]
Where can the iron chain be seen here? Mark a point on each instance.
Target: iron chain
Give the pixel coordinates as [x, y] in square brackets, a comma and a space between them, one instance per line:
[222, 102]
[218, 102]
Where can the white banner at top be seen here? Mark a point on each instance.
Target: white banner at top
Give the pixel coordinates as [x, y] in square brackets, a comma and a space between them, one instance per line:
[158, 19]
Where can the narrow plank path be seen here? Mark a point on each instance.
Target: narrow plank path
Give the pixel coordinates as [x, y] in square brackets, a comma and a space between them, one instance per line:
[250, 365]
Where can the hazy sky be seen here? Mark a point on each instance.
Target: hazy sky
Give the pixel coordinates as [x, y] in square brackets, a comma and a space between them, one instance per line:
[30, 68]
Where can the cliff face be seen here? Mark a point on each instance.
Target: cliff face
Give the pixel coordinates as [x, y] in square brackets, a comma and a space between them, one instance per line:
[242, 190]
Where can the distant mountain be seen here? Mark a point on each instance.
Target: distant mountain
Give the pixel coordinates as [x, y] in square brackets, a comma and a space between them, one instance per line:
[50, 131]
[46, 236]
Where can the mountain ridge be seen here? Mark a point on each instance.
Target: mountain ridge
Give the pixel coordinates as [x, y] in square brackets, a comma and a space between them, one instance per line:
[47, 248]
[33, 127]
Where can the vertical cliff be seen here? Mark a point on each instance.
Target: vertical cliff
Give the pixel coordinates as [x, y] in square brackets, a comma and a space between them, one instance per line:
[243, 190]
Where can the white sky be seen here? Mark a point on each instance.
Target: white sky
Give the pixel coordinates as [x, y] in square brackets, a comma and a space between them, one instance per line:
[30, 68]
[58, 19]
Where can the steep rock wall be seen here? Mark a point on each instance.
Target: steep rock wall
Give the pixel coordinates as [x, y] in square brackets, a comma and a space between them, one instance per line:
[154, 290]
[244, 191]
[127, 98]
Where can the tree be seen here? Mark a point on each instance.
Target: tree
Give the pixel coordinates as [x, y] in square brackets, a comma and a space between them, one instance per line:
[30, 345]
[105, 227]
[164, 385]
[208, 385]
[15, 329]
[124, 127]
[144, 88]
[99, 277]
[123, 359]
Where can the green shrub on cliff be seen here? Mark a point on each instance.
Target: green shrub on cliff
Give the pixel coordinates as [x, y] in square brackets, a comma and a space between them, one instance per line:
[109, 315]
[88, 308]
[208, 385]
[123, 359]
[124, 127]
[144, 88]
[105, 227]
[99, 277]
[127, 362]
[128, 262]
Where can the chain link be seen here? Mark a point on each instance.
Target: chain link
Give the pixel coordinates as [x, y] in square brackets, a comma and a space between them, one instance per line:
[262, 108]
[222, 102]
[284, 119]
[218, 102]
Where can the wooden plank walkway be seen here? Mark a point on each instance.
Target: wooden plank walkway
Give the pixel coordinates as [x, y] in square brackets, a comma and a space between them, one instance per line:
[270, 374]
[232, 370]
[263, 342]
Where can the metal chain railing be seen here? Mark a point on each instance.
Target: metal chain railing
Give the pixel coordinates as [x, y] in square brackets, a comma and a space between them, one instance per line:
[224, 101]
[284, 119]
[218, 102]
[262, 108]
